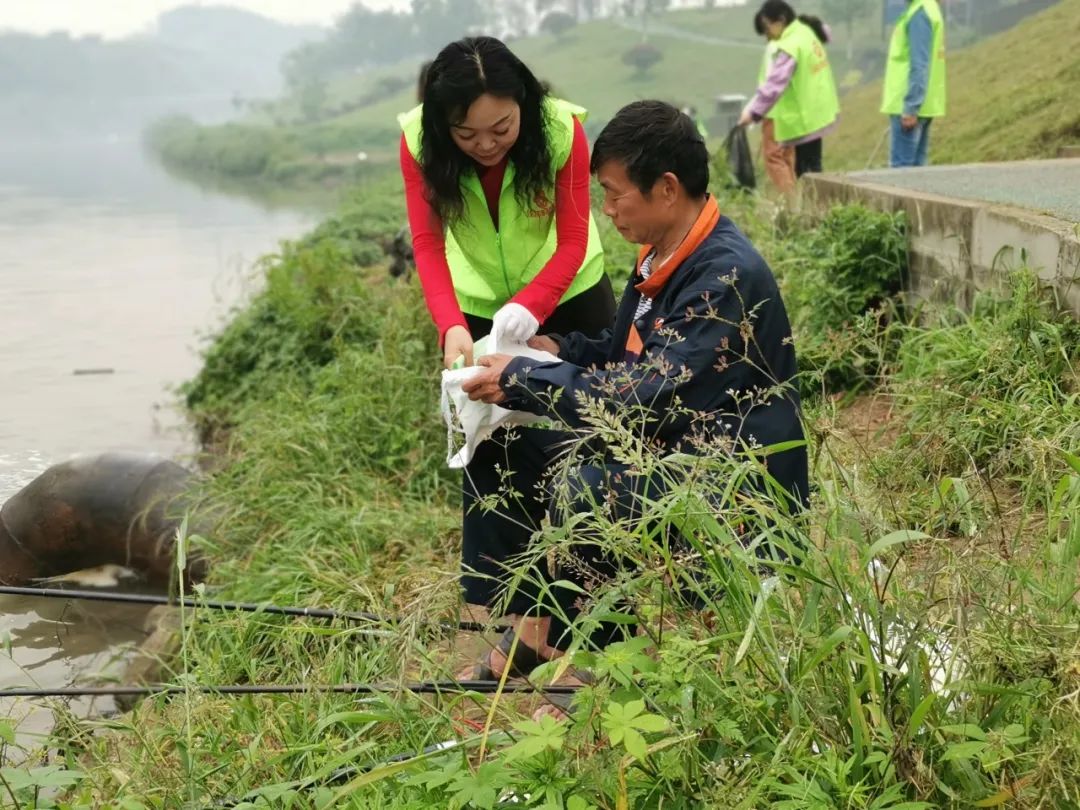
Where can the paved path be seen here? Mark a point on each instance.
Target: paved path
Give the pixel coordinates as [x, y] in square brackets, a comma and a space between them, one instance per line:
[1047, 186]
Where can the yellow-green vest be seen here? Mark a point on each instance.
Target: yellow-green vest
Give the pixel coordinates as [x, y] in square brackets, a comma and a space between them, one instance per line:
[810, 102]
[898, 66]
[490, 267]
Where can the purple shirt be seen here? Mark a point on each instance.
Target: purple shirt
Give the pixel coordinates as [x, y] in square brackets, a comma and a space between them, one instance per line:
[776, 82]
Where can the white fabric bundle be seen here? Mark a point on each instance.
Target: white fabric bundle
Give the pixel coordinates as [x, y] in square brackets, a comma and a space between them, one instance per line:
[478, 420]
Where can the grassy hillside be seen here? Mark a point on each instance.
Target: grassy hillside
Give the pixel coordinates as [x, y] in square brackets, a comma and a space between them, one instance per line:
[706, 53]
[1008, 95]
[1012, 96]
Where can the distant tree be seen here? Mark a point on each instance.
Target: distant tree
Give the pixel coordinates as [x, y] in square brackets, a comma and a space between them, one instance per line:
[441, 21]
[362, 37]
[312, 98]
[641, 57]
[850, 11]
[557, 23]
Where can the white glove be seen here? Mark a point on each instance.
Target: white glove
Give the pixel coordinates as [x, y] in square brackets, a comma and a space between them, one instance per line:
[513, 324]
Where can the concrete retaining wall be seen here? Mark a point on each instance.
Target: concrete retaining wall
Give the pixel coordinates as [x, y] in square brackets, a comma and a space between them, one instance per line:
[958, 246]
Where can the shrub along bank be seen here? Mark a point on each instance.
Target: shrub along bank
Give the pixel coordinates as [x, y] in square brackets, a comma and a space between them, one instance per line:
[920, 649]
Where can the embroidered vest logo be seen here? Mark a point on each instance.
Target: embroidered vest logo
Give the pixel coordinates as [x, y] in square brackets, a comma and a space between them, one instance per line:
[544, 206]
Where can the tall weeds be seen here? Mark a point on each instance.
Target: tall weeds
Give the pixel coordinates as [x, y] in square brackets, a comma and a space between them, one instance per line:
[911, 642]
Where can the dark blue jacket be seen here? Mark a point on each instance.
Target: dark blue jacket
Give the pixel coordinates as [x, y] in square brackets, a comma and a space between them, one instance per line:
[717, 343]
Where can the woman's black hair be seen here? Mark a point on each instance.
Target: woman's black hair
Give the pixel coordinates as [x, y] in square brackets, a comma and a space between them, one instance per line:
[462, 72]
[780, 11]
[817, 26]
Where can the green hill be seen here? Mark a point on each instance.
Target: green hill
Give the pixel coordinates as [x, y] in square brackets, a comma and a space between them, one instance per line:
[315, 133]
[706, 53]
[1011, 97]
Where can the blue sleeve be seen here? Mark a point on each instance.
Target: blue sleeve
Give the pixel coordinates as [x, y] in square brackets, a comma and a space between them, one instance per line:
[580, 350]
[920, 39]
[677, 363]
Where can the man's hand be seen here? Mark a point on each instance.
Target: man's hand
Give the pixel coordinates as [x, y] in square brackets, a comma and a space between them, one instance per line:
[746, 119]
[544, 343]
[909, 122]
[457, 343]
[484, 385]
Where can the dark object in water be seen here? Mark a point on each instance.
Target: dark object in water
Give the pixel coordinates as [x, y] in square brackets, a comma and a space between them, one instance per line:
[114, 508]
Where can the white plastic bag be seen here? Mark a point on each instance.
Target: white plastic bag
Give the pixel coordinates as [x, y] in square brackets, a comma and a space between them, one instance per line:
[476, 421]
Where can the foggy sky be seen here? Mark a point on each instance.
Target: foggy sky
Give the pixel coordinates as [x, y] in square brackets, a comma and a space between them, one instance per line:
[117, 18]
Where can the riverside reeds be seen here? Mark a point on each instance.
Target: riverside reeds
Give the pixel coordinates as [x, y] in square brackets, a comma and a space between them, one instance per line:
[910, 643]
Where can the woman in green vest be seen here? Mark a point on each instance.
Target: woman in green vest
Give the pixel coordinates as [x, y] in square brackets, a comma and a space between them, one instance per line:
[779, 160]
[497, 185]
[799, 92]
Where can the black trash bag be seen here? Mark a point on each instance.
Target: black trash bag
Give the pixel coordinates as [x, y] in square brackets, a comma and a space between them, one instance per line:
[740, 161]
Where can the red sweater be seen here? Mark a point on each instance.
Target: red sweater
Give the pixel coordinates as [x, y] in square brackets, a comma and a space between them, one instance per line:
[541, 295]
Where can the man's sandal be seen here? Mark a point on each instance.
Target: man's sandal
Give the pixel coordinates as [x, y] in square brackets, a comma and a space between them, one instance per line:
[523, 661]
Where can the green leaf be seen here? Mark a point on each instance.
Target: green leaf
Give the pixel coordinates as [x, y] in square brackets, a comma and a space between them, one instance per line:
[767, 588]
[650, 723]
[1072, 461]
[969, 730]
[545, 735]
[998, 799]
[1015, 733]
[964, 750]
[835, 639]
[894, 539]
[479, 789]
[919, 715]
[352, 719]
[568, 585]
[7, 732]
[635, 744]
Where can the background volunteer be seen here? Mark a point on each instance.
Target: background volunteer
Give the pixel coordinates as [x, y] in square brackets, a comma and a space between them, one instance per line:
[779, 160]
[914, 89]
[799, 89]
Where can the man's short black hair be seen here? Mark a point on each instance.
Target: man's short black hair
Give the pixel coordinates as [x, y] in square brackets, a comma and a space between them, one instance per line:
[651, 138]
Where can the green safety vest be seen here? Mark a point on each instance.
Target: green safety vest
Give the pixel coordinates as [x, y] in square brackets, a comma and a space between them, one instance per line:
[810, 102]
[766, 63]
[898, 66]
[488, 266]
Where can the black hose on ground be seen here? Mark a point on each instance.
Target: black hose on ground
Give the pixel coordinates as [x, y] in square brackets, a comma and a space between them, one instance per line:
[244, 607]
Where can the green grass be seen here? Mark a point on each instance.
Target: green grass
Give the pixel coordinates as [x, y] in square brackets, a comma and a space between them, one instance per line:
[942, 676]
[1011, 97]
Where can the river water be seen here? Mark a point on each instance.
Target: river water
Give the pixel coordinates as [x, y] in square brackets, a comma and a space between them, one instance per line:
[107, 265]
